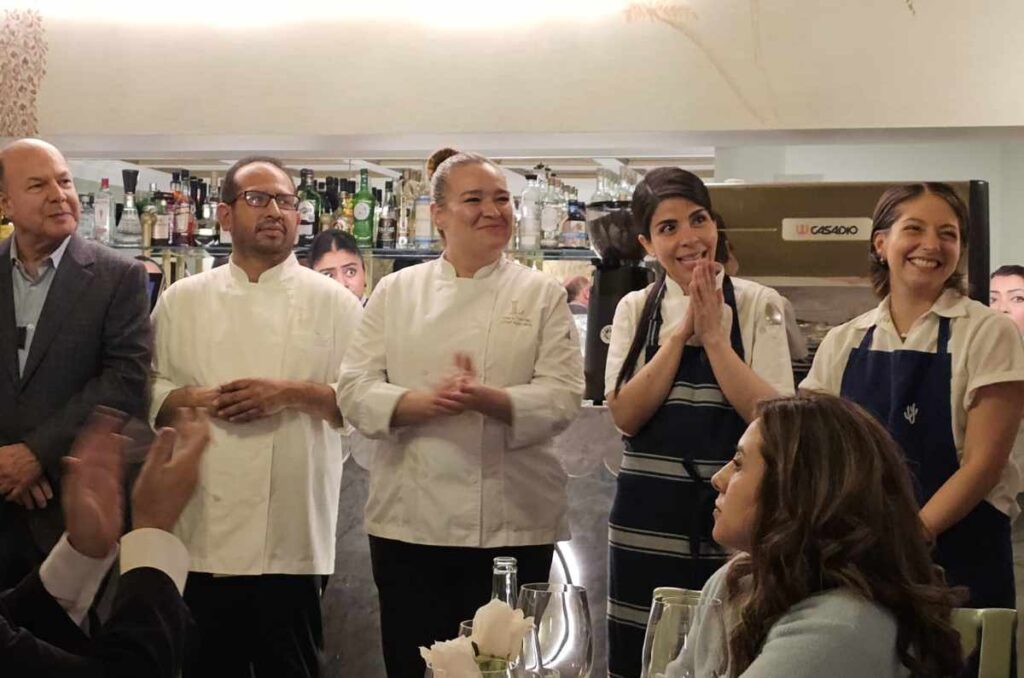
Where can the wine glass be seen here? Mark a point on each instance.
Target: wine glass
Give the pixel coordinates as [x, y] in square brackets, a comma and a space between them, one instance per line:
[685, 636]
[562, 637]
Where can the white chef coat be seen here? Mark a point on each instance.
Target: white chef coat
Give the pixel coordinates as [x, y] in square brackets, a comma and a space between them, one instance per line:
[762, 330]
[467, 480]
[985, 347]
[267, 501]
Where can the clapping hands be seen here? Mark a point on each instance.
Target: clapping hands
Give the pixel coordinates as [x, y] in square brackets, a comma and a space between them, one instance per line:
[458, 391]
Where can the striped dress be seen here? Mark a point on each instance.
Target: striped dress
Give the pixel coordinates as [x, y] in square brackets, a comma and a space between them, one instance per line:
[659, 531]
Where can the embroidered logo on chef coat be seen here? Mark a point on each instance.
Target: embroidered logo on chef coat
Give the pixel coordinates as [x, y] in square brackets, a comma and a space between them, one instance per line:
[517, 316]
[910, 414]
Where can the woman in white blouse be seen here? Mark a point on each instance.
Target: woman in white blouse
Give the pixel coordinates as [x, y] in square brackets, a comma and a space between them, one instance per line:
[687, 366]
[945, 375]
[464, 368]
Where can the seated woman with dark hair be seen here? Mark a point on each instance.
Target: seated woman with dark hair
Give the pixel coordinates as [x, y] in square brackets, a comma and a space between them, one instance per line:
[834, 577]
[335, 254]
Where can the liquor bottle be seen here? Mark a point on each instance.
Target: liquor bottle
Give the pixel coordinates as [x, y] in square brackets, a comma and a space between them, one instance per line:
[187, 187]
[387, 228]
[422, 229]
[129, 230]
[529, 210]
[348, 218]
[310, 206]
[223, 237]
[206, 233]
[162, 208]
[103, 210]
[504, 584]
[87, 217]
[552, 213]
[181, 212]
[333, 197]
[147, 216]
[362, 210]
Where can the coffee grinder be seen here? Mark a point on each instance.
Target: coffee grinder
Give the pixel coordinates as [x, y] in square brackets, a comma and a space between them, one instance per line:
[618, 271]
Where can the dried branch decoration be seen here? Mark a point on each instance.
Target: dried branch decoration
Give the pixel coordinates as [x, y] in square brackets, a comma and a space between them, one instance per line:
[22, 67]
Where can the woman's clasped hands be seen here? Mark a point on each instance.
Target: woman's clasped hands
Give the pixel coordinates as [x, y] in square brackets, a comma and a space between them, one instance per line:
[458, 391]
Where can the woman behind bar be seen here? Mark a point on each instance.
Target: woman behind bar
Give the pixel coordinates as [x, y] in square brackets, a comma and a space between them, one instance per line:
[834, 576]
[335, 254]
[945, 375]
[687, 365]
[464, 367]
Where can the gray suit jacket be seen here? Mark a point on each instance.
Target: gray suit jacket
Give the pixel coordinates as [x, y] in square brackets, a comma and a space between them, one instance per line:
[91, 347]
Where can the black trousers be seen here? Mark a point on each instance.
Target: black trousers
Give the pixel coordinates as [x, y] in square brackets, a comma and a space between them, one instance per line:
[425, 591]
[267, 626]
[19, 554]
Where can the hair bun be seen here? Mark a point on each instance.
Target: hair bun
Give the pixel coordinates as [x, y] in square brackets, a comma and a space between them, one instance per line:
[438, 157]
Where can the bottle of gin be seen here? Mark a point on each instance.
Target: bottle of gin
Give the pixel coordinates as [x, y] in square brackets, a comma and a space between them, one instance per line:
[362, 211]
[103, 211]
[310, 205]
[87, 217]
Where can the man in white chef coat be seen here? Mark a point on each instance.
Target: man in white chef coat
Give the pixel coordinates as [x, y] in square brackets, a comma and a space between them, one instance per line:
[258, 343]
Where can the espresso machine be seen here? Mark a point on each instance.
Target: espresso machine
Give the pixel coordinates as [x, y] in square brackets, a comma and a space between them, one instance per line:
[617, 272]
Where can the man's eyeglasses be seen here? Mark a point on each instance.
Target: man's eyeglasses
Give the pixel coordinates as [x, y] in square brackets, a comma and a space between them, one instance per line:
[286, 201]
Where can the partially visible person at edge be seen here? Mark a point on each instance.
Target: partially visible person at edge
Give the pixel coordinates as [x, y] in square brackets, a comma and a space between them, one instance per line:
[945, 375]
[464, 368]
[258, 342]
[41, 619]
[335, 254]
[690, 358]
[833, 575]
[1006, 293]
[74, 334]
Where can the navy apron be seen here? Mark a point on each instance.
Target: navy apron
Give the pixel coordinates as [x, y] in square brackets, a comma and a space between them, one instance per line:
[659, 530]
[909, 393]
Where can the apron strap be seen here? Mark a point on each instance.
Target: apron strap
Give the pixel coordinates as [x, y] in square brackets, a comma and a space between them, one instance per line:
[735, 336]
[943, 342]
[654, 326]
[865, 343]
[703, 490]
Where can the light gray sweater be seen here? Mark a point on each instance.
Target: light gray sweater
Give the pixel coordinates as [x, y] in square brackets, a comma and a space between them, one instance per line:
[836, 634]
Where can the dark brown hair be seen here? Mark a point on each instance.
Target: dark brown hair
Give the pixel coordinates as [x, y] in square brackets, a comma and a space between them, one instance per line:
[229, 189]
[658, 185]
[435, 160]
[887, 212]
[333, 240]
[1007, 270]
[836, 510]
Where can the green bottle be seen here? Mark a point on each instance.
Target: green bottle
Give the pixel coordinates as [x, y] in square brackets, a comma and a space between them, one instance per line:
[363, 204]
[310, 205]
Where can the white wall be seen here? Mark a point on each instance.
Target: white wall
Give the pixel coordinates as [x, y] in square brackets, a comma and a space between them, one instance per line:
[730, 65]
[999, 163]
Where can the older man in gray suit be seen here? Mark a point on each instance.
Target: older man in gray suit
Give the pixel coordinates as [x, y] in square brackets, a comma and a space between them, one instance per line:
[74, 334]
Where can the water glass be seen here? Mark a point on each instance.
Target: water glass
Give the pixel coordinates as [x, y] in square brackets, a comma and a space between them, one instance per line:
[685, 637]
[562, 637]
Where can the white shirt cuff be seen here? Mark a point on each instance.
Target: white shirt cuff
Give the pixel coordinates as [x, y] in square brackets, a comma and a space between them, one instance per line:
[72, 578]
[150, 547]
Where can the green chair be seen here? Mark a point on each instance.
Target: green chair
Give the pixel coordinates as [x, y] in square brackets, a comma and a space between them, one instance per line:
[994, 630]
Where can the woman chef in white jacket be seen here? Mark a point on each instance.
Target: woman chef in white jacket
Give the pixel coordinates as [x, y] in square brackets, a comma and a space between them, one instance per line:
[464, 367]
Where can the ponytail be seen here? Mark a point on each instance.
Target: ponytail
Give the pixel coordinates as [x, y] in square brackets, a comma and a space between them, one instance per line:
[640, 333]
